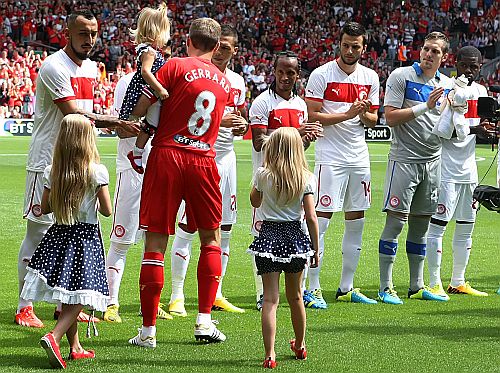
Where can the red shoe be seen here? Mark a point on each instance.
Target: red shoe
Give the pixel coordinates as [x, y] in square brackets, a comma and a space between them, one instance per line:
[268, 363]
[131, 157]
[73, 355]
[27, 317]
[52, 349]
[300, 353]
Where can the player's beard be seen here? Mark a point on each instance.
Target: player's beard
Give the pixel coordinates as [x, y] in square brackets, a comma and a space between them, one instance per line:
[354, 62]
[80, 55]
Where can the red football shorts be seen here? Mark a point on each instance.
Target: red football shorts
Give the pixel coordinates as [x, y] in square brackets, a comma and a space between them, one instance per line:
[173, 175]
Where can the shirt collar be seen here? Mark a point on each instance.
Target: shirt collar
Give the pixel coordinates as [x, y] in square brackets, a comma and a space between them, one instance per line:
[419, 71]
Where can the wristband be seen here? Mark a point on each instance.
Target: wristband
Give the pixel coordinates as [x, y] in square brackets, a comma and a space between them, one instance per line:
[419, 109]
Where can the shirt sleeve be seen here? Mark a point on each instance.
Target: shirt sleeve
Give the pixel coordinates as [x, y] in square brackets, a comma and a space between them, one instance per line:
[395, 89]
[259, 114]
[46, 177]
[311, 185]
[57, 80]
[101, 175]
[316, 86]
[374, 94]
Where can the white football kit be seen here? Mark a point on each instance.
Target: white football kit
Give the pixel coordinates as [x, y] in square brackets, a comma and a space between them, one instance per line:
[342, 164]
[59, 80]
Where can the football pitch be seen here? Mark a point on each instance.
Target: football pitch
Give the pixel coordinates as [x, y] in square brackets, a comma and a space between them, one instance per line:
[462, 335]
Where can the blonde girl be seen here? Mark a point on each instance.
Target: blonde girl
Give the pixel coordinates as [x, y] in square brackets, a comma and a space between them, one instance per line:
[283, 189]
[68, 265]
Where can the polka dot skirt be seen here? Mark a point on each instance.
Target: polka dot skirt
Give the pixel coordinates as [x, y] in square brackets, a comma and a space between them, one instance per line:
[281, 241]
[68, 266]
[137, 84]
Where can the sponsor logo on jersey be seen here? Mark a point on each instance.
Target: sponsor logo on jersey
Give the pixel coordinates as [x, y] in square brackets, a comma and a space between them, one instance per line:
[441, 209]
[119, 230]
[394, 201]
[325, 200]
[36, 210]
[183, 140]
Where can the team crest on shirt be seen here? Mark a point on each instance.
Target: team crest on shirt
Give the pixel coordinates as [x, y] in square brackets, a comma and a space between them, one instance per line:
[235, 95]
[300, 115]
[36, 210]
[325, 200]
[394, 201]
[119, 230]
[441, 209]
[258, 225]
[362, 92]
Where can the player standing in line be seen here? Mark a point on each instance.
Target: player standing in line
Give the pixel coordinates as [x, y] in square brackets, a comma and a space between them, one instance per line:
[413, 171]
[343, 96]
[458, 181]
[279, 106]
[181, 166]
[225, 158]
[64, 86]
[126, 204]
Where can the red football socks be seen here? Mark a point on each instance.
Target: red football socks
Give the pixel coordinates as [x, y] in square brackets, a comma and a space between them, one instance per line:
[209, 272]
[151, 284]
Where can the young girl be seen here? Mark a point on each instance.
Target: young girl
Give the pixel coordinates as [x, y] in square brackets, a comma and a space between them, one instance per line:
[152, 35]
[283, 188]
[68, 265]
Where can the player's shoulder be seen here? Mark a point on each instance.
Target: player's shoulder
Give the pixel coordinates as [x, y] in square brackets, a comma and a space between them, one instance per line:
[235, 79]
[481, 89]
[324, 69]
[367, 71]
[261, 104]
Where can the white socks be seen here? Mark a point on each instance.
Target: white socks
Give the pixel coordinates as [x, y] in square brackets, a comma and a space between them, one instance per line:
[224, 245]
[313, 273]
[180, 255]
[462, 243]
[203, 318]
[115, 264]
[435, 253]
[351, 251]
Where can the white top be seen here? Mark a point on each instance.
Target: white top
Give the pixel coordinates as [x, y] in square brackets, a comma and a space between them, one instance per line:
[270, 209]
[125, 145]
[272, 111]
[88, 209]
[224, 143]
[343, 143]
[458, 158]
[59, 80]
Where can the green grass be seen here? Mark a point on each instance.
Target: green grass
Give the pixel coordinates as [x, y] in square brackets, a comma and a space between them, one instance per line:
[462, 335]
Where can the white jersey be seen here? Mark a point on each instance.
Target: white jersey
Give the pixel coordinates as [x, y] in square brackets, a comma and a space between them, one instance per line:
[59, 80]
[343, 143]
[224, 143]
[271, 111]
[458, 158]
[127, 144]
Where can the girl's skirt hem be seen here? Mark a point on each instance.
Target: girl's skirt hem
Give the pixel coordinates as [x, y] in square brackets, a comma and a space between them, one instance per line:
[36, 289]
[274, 258]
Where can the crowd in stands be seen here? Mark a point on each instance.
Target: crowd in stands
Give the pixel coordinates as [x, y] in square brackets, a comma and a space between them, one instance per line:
[32, 29]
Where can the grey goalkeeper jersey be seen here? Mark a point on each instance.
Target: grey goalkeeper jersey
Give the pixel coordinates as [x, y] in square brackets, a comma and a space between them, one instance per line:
[413, 141]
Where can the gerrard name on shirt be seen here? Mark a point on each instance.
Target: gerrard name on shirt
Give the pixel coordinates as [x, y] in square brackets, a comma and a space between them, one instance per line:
[194, 74]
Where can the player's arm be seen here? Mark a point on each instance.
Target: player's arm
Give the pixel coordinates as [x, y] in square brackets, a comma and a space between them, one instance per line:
[258, 134]
[369, 118]
[45, 204]
[255, 197]
[100, 121]
[314, 112]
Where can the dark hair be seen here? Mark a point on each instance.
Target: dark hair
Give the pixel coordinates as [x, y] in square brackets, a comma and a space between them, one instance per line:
[86, 13]
[285, 54]
[230, 31]
[354, 29]
[469, 51]
[204, 33]
[436, 35]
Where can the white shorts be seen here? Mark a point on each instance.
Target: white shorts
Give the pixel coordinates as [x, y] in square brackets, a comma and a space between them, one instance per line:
[343, 188]
[126, 208]
[33, 199]
[412, 187]
[456, 202]
[226, 166]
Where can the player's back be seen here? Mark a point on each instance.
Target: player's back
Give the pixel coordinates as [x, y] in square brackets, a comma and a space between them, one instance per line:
[190, 118]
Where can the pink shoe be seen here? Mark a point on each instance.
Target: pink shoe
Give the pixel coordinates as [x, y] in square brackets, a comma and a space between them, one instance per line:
[73, 355]
[300, 353]
[52, 349]
[268, 363]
